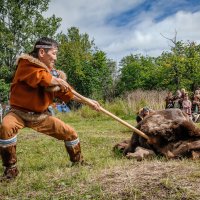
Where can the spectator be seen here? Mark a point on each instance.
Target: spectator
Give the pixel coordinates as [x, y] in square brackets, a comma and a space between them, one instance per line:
[64, 107]
[196, 102]
[177, 99]
[169, 101]
[51, 110]
[143, 112]
[183, 93]
[187, 105]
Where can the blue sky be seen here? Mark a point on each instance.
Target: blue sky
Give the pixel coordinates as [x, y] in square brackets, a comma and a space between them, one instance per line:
[122, 27]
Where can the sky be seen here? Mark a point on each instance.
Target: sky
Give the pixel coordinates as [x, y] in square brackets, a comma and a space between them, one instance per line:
[124, 27]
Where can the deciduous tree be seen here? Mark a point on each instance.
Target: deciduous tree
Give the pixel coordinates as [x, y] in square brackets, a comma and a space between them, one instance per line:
[21, 23]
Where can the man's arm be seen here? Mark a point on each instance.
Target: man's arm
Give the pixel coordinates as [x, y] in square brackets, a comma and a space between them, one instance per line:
[64, 86]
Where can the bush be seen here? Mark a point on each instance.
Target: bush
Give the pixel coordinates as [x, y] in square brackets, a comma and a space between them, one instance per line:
[4, 91]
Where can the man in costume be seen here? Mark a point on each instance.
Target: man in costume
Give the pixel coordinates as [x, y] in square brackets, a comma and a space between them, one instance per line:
[35, 84]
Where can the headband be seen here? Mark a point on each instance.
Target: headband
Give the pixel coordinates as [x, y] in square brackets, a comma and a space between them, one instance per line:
[44, 46]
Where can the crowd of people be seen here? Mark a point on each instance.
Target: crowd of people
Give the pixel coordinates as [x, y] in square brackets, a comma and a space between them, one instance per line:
[182, 100]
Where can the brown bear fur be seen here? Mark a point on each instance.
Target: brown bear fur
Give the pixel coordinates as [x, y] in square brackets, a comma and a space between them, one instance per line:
[171, 133]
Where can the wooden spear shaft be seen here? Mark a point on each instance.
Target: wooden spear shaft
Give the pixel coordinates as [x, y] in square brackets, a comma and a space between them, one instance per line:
[112, 115]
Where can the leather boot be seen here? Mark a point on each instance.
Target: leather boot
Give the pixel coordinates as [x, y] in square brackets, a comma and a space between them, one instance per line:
[9, 160]
[75, 153]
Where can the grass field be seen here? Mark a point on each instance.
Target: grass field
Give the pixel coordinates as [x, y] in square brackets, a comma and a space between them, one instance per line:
[46, 173]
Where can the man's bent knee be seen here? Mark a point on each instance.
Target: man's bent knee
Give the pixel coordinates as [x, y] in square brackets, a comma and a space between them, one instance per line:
[6, 132]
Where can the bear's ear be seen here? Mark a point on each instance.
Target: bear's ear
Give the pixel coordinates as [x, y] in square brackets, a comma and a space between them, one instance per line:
[62, 75]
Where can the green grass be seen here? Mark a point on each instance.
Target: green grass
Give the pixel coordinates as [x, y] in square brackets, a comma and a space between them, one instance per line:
[45, 171]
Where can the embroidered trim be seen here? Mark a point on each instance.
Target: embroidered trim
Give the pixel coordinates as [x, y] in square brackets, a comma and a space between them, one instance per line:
[71, 143]
[6, 143]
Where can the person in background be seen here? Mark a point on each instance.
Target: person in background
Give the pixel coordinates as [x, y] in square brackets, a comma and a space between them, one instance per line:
[196, 102]
[143, 112]
[51, 110]
[64, 107]
[35, 84]
[187, 105]
[183, 94]
[177, 99]
[169, 100]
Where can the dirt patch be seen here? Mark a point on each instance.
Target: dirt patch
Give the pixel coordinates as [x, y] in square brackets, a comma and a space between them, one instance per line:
[152, 180]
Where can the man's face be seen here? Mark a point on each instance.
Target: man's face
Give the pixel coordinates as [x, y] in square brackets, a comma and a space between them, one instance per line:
[48, 58]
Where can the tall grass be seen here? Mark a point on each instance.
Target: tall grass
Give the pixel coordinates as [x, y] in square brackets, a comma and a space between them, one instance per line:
[125, 107]
[153, 99]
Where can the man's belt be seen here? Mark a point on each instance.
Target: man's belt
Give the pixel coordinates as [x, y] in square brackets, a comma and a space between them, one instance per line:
[30, 116]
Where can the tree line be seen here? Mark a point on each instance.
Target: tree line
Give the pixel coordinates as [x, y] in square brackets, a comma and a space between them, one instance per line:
[88, 68]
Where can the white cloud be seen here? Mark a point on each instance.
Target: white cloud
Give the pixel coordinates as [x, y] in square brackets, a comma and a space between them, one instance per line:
[141, 34]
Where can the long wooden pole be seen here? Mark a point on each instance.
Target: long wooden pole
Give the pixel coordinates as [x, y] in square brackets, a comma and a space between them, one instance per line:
[112, 115]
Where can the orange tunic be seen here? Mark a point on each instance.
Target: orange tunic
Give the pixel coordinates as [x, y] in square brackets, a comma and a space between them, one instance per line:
[28, 86]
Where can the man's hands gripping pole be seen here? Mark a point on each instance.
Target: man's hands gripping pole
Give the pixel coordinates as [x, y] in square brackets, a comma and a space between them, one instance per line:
[64, 86]
[90, 102]
[96, 106]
